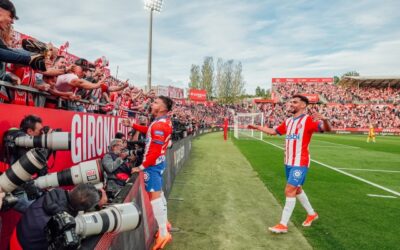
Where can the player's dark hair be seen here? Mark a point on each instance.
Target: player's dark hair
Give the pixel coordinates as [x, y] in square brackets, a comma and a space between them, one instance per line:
[29, 122]
[167, 101]
[302, 98]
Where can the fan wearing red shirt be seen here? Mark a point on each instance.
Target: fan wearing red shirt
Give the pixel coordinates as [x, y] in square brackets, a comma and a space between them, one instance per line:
[298, 130]
[158, 136]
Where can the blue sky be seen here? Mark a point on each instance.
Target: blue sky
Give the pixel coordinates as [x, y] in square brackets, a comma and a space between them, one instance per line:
[271, 38]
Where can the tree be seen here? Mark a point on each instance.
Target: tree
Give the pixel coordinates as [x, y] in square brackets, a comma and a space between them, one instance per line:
[219, 82]
[258, 91]
[336, 80]
[227, 80]
[195, 77]
[226, 83]
[238, 82]
[350, 73]
[207, 76]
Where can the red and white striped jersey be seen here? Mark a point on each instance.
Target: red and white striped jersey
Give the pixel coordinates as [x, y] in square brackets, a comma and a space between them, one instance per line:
[298, 132]
[158, 136]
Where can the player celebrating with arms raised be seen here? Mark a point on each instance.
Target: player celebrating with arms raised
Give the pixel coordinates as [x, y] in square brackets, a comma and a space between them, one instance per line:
[298, 129]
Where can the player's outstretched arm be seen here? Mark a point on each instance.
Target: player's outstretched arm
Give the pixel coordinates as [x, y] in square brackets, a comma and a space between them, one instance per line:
[266, 130]
[127, 123]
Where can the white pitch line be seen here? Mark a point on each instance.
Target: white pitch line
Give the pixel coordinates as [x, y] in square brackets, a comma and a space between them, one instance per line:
[345, 173]
[371, 170]
[382, 196]
[341, 145]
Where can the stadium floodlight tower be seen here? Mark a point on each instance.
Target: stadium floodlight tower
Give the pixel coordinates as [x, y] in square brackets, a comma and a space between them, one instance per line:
[151, 5]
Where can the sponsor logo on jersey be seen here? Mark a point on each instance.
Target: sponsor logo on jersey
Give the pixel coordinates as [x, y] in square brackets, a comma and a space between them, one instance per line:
[293, 137]
[159, 132]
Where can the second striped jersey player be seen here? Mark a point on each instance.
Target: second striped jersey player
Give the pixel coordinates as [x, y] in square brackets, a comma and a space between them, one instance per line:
[298, 131]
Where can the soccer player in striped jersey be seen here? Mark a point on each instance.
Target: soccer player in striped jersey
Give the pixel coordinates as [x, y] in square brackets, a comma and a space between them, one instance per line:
[158, 137]
[298, 130]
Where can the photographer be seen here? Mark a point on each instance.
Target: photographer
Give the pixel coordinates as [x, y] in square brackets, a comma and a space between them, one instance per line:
[116, 164]
[31, 125]
[30, 231]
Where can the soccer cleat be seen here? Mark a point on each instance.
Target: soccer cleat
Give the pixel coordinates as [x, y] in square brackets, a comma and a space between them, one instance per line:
[169, 226]
[162, 241]
[309, 220]
[279, 229]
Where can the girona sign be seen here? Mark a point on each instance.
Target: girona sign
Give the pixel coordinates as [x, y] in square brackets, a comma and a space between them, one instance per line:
[90, 133]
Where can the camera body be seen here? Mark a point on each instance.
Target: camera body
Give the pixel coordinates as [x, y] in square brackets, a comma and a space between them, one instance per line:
[63, 231]
[136, 148]
[60, 232]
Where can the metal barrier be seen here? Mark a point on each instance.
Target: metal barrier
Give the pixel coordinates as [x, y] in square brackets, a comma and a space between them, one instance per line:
[59, 99]
[24, 88]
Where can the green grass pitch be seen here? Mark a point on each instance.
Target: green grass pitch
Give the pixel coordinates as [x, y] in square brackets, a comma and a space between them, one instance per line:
[350, 218]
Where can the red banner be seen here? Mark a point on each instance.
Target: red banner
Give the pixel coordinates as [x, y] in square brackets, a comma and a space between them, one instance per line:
[264, 101]
[302, 80]
[198, 95]
[313, 98]
[90, 133]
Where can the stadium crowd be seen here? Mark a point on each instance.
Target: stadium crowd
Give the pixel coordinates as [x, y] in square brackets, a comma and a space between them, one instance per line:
[341, 116]
[76, 84]
[339, 94]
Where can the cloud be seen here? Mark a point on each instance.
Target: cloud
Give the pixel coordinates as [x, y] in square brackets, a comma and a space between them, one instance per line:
[271, 38]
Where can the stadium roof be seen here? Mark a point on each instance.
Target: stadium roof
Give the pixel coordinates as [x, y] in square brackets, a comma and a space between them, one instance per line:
[372, 81]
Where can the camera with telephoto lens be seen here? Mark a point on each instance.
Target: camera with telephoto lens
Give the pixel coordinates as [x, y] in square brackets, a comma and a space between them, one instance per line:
[84, 172]
[56, 140]
[136, 148]
[46, 129]
[20, 173]
[66, 232]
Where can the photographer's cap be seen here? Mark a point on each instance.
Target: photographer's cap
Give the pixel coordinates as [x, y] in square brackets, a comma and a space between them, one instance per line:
[8, 5]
